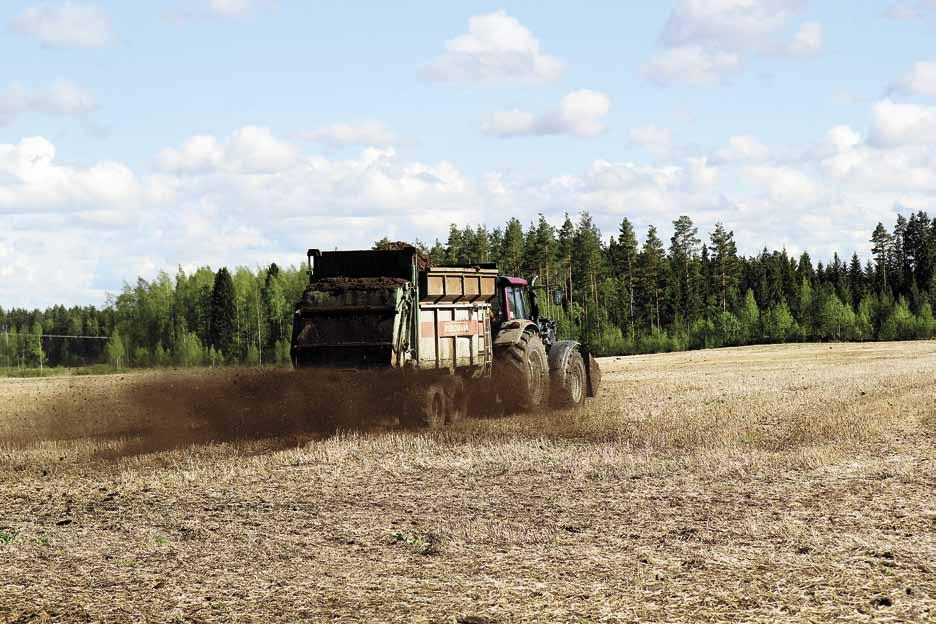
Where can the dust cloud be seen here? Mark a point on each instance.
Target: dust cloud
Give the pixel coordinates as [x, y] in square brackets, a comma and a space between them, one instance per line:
[161, 411]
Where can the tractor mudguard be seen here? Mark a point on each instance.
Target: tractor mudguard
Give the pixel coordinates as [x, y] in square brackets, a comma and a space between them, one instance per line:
[511, 332]
[559, 356]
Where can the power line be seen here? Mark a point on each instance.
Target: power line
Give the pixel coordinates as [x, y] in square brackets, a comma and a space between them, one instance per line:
[15, 335]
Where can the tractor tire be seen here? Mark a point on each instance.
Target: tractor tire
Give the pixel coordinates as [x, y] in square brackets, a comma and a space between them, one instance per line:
[427, 406]
[568, 383]
[523, 374]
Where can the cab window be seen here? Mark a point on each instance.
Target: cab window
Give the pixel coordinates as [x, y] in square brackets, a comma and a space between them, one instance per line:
[515, 300]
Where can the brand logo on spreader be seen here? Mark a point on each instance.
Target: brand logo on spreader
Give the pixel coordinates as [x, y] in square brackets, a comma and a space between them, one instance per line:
[456, 328]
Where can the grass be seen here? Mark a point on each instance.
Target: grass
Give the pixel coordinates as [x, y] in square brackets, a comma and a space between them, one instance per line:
[754, 484]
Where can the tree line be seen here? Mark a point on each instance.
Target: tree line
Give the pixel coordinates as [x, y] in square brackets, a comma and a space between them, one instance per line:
[620, 294]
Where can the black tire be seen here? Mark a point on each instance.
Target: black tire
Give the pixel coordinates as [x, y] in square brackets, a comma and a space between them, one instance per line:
[523, 375]
[568, 382]
[427, 406]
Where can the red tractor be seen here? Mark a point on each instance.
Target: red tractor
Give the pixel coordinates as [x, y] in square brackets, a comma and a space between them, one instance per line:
[532, 367]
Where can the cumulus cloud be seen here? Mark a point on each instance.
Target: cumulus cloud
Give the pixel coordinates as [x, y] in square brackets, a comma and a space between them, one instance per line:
[366, 132]
[704, 42]
[742, 148]
[60, 98]
[894, 124]
[580, 113]
[807, 41]
[497, 49]
[252, 197]
[656, 140]
[250, 149]
[920, 80]
[65, 25]
[692, 65]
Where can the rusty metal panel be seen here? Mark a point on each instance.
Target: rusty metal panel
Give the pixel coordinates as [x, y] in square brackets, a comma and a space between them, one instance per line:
[455, 336]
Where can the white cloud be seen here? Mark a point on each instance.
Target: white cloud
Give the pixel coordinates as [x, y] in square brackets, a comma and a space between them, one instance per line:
[40, 184]
[894, 124]
[497, 49]
[202, 9]
[920, 80]
[742, 148]
[580, 113]
[656, 140]
[703, 42]
[253, 197]
[250, 149]
[692, 65]
[61, 98]
[366, 132]
[65, 25]
[905, 10]
[786, 186]
[807, 41]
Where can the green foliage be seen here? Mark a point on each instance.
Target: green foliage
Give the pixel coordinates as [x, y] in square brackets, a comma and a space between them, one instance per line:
[117, 350]
[837, 321]
[253, 355]
[141, 357]
[282, 352]
[749, 317]
[622, 293]
[189, 350]
[779, 324]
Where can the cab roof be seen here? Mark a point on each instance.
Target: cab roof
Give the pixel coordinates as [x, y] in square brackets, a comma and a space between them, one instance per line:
[514, 281]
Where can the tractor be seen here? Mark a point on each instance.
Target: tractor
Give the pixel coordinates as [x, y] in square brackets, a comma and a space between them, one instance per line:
[438, 337]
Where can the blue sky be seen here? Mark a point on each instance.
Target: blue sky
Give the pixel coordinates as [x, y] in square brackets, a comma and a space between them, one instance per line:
[137, 137]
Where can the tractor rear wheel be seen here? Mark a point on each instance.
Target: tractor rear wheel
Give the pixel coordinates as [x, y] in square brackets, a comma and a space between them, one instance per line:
[568, 382]
[524, 373]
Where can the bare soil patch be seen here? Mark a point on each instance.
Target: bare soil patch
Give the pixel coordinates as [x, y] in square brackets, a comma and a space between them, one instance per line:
[755, 484]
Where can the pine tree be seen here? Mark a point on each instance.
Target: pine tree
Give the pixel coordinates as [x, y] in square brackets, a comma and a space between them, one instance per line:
[511, 251]
[223, 314]
[882, 249]
[454, 247]
[564, 244]
[626, 265]
[652, 278]
[724, 264]
[684, 246]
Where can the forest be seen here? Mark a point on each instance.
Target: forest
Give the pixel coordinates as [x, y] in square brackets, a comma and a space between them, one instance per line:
[622, 296]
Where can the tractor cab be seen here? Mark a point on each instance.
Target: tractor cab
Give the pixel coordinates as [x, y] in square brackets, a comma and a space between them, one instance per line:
[512, 301]
[516, 300]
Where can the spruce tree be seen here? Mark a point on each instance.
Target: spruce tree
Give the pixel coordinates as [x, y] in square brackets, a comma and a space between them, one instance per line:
[223, 314]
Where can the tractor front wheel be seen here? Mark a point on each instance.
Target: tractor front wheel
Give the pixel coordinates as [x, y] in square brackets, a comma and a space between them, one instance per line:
[568, 382]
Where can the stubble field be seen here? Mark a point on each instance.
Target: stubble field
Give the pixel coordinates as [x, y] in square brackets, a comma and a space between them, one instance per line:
[756, 484]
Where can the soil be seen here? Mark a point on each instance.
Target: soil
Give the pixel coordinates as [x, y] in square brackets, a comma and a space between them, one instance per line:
[773, 483]
[339, 284]
[422, 260]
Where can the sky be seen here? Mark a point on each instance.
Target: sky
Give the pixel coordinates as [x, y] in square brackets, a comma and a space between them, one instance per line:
[138, 137]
